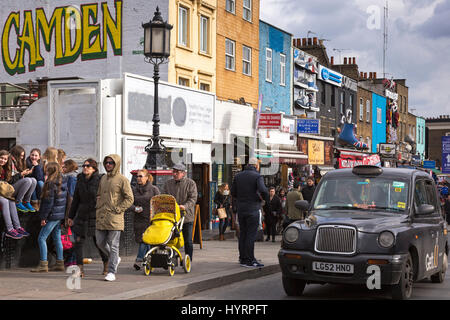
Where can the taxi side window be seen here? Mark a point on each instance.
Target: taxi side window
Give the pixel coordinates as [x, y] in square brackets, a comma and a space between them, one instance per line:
[420, 195]
[432, 195]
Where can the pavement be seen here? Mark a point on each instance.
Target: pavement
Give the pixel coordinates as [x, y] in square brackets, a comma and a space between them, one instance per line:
[214, 265]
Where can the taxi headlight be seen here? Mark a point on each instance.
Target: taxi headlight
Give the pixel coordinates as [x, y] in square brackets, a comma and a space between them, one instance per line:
[291, 235]
[386, 239]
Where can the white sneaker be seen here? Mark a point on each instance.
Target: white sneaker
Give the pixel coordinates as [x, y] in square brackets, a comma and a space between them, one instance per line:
[110, 277]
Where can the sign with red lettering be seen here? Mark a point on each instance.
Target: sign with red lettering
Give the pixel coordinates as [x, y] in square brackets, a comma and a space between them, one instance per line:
[352, 161]
[269, 121]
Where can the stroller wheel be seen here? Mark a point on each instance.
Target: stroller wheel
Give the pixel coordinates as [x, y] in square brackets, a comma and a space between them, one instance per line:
[171, 271]
[187, 263]
[147, 268]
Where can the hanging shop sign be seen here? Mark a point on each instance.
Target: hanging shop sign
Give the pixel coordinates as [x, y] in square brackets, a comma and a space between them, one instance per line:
[446, 154]
[349, 83]
[316, 152]
[429, 164]
[350, 161]
[308, 126]
[330, 76]
[270, 121]
[391, 95]
[306, 61]
[387, 150]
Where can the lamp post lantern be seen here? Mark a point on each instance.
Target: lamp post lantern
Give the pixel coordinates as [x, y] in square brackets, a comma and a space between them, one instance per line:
[156, 52]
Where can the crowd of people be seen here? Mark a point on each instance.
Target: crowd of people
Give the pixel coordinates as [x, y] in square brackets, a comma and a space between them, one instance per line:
[86, 205]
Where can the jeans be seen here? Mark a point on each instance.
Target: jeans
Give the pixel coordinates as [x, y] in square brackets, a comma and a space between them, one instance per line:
[37, 192]
[187, 236]
[248, 229]
[53, 228]
[78, 249]
[9, 211]
[108, 241]
[24, 189]
[143, 249]
[223, 224]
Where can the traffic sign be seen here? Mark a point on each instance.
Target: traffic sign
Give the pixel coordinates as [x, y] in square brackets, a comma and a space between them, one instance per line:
[445, 154]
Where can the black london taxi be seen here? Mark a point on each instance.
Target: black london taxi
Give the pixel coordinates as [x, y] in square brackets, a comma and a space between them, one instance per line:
[363, 223]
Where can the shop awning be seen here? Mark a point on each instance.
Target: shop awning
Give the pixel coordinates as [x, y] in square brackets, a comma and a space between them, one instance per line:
[282, 156]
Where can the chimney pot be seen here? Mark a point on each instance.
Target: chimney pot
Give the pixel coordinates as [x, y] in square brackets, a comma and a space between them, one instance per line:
[315, 41]
[374, 75]
[332, 60]
[304, 42]
[365, 75]
[309, 41]
[354, 60]
[345, 60]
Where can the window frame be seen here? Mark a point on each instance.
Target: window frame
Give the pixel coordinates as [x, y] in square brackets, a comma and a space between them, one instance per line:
[184, 79]
[269, 61]
[202, 37]
[232, 56]
[283, 69]
[379, 115]
[247, 9]
[361, 109]
[234, 6]
[367, 110]
[244, 61]
[182, 27]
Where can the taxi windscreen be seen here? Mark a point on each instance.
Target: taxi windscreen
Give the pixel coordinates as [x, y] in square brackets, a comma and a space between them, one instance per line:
[363, 193]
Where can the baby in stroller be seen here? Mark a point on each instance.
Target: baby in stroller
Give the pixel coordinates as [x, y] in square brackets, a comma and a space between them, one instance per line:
[165, 237]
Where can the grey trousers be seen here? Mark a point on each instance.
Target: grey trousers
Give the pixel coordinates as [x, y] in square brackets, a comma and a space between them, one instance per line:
[9, 212]
[24, 189]
[108, 241]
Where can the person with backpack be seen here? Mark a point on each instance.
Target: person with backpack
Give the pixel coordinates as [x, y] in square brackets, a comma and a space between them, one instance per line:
[51, 213]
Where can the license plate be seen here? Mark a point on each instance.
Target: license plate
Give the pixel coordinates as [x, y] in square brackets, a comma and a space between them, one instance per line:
[332, 267]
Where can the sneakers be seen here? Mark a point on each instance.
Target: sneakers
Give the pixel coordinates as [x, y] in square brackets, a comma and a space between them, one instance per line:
[20, 207]
[110, 277]
[29, 207]
[254, 264]
[22, 232]
[13, 234]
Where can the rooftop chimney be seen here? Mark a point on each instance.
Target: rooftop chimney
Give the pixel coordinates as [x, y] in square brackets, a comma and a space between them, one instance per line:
[304, 42]
[315, 41]
[354, 60]
[374, 75]
[345, 60]
[365, 75]
[332, 60]
[309, 41]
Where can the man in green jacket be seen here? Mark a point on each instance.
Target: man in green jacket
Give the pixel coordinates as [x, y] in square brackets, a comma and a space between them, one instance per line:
[293, 213]
[114, 196]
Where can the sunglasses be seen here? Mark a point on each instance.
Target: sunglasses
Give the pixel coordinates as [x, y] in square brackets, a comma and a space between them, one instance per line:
[140, 176]
[86, 166]
[109, 162]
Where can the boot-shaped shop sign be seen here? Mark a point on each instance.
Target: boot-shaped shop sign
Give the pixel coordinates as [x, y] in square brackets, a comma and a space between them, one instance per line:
[347, 132]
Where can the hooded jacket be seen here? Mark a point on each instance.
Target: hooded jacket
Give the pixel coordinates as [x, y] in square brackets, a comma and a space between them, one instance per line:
[53, 207]
[114, 197]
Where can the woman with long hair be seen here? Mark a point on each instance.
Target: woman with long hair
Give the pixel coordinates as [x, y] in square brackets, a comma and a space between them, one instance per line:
[24, 186]
[8, 206]
[34, 162]
[51, 213]
[50, 155]
[82, 214]
[223, 200]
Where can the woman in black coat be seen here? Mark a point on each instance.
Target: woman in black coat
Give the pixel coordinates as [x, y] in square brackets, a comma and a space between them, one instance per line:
[272, 212]
[143, 192]
[223, 200]
[82, 211]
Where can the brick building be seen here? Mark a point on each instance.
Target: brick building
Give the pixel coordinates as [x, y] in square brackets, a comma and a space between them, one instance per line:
[237, 52]
[436, 128]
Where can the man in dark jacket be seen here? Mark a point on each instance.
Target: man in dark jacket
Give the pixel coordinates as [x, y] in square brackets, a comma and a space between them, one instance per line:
[308, 190]
[248, 190]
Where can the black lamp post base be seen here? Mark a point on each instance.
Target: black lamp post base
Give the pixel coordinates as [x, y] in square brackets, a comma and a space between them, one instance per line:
[156, 159]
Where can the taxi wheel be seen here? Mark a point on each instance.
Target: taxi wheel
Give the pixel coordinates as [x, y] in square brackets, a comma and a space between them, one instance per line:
[293, 287]
[440, 276]
[403, 290]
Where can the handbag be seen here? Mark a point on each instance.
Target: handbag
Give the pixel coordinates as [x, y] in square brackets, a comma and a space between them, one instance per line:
[6, 190]
[222, 213]
[67, 240]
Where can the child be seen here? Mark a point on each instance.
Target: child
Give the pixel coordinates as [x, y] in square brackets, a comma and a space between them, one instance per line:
[34, 162]
[7, 205]
[52, 211]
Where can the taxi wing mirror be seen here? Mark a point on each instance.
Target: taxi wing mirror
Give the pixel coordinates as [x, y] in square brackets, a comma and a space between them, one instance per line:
[425, 209]
[302, 205]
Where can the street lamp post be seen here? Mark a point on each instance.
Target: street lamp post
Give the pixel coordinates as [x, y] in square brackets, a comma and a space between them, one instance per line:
[156, 52]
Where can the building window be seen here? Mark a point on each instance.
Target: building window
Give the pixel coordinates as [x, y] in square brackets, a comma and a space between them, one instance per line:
[247, 15]
[282, 69]
[367, 110]
[351, 102]
[230, 54]
[333, 95]
[183, 26]
[268, 65]
[183, 82]
[204, 86]
[246, 60]
[341, 104]
[378, 115]
[231, 6]
[361, 110]
[322, 94]
[204, 34]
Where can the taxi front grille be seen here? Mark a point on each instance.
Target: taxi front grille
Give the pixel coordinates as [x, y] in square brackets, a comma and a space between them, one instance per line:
[336, 239]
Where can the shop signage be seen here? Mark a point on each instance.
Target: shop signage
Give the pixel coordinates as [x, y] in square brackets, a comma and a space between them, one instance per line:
[429, 164]
[330, 76]
[349, 83]
[446, 154]
[270, 121]
[309, 126]
[315, 152]
[305, 60]
[350, 161]
[387, 149]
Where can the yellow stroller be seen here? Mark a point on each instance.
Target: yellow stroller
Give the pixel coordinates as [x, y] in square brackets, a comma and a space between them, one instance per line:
[165, 237]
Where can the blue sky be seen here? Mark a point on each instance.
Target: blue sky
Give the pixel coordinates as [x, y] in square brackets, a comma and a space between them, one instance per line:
[418, 40]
